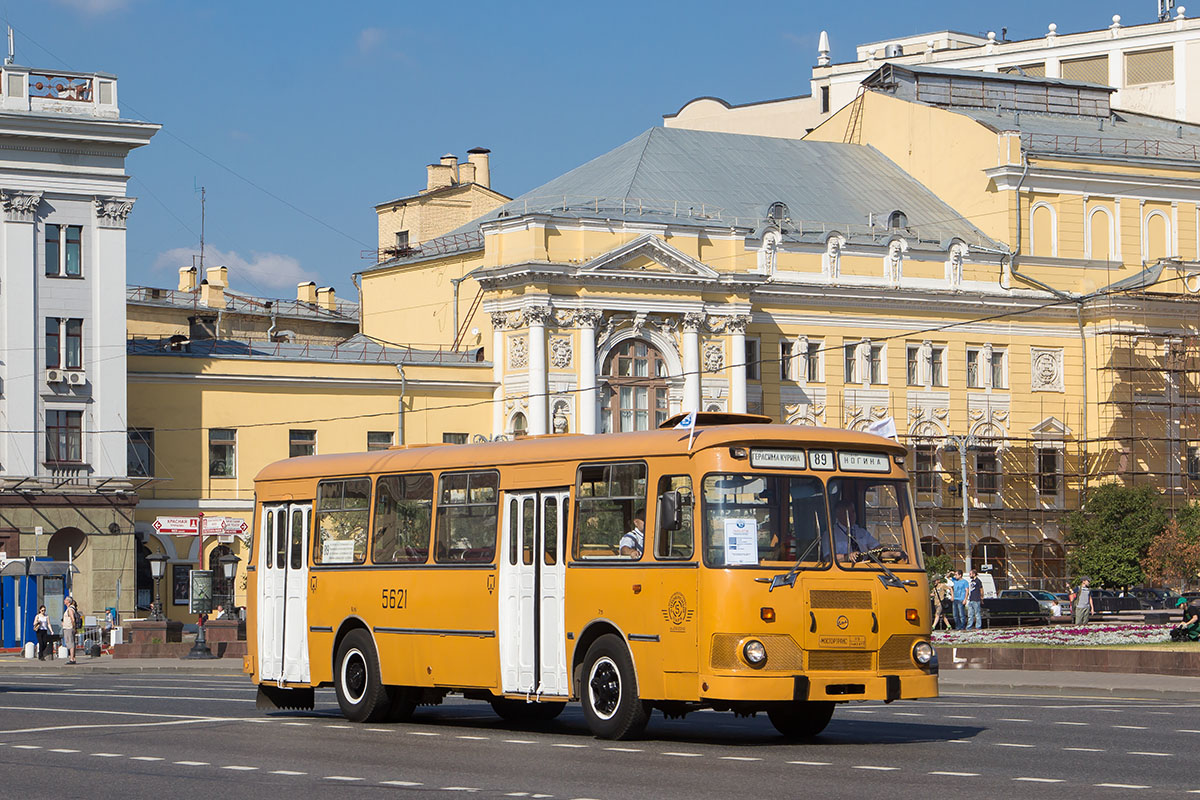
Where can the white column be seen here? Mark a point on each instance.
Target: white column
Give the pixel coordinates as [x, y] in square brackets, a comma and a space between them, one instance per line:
[499, 320]
[107, 373]
[535, 317]
[737, 363]
[586, 400]
[21, 335]
[691, 361]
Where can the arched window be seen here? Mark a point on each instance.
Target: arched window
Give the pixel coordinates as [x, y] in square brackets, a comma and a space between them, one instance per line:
[222, 589]
[634, 397]
[1158, 236]
[1043, 238]
[897, 220]
[519, 425]
[988, 555]
[1101, 239]
[932, 546]
[1049, 564]
[777, 215]
[66, 543]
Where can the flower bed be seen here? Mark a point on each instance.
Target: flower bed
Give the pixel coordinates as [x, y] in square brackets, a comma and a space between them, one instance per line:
[1058, 636]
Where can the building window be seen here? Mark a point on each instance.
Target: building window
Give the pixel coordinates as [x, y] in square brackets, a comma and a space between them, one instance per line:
[987, 471]
[64, 437]
[814, 361]
[937, 367]
[973, 377]
[64, 343]
[1193, 462]
[454, 438]
[64, 250]
[897, 220]
[378, 440]
[999, 373]
[753, 365]
[878, 368]
[924, 469]
[634, 395]
[913, 364]
[302, 443]
[74, 344]
[53, 342]
[401, 240]
[824, 99]
[140, 453]
[222, 452]
[850, 362]
[786, 350]
[1047, 471]
[519, 425]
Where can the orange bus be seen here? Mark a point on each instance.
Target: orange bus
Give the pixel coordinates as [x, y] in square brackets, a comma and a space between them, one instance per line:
[746, 567]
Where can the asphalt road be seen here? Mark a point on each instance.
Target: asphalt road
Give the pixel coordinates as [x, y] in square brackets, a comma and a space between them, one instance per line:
[172, 735]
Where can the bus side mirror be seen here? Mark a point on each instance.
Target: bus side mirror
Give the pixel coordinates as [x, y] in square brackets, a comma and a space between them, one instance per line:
[670, 511]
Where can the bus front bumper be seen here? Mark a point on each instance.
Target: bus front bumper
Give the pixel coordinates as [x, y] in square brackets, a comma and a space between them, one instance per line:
[840, 687]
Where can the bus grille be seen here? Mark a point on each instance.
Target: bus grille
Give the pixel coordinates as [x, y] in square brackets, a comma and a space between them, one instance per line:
[783, 654]
[896, 652]
[838, 598]
[839, 660]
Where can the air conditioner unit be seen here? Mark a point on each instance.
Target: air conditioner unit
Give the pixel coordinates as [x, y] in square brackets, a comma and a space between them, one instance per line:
[76, 378]
[54, 376]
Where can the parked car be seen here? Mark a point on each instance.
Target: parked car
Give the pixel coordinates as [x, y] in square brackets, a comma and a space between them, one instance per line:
[1044, 599]
[1154, 598]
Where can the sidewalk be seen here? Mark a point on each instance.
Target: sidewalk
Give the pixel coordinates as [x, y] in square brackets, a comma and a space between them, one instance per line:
[17, 665]
[1068, 684]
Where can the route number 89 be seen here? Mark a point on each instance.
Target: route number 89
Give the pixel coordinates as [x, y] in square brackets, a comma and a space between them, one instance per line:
[394, 598]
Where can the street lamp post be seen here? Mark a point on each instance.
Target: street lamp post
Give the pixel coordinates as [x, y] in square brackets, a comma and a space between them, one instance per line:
[229, 565]
[962, 444]
[158, 566]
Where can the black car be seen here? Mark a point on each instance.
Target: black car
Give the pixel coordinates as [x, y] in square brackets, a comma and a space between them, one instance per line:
[1155, 598]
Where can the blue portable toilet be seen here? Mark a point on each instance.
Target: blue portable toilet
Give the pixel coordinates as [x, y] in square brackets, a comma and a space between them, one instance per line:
[26, 584]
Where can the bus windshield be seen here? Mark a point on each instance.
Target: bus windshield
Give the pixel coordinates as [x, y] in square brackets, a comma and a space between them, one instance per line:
[872, 514]
[769, 520]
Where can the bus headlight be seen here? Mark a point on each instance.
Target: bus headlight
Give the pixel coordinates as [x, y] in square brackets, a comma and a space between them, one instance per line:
[754, 653]
[922, 652]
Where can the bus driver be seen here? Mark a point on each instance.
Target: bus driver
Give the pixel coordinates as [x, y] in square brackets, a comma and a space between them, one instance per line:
[634, 542]
[848, 536]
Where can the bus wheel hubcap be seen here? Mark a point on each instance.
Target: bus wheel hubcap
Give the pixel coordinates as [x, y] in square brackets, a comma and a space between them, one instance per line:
[605, 688]
[354, 676]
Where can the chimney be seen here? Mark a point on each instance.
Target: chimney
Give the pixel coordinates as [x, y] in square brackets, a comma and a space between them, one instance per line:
[326, 298]
[450, 160]
[217, 276]
[306, 292]
[187, 279]
[483, 172]
[202, 328]
[440, 175]
[212, 294]
[466, 172]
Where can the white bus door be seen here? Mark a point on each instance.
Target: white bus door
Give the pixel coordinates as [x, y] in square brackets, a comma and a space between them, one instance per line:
[283, 594]
[532, 575]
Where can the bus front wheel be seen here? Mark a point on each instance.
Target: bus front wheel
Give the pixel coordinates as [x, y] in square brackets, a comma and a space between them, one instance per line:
[801, 720]
[360, 691]
[609, 691]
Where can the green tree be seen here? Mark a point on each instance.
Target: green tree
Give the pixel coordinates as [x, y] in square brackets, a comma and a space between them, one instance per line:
[1173, 556]
[1112, 532]
[937, 566]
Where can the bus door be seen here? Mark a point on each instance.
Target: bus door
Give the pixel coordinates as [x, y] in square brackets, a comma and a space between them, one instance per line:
[533, 648]
[283, 594]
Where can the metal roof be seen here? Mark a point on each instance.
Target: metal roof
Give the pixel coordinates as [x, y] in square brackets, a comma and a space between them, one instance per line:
[686, 177]
[358, 349]
[1007, 77]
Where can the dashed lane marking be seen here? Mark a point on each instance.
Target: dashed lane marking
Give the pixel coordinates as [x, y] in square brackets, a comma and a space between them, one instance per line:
[1013, 744]
[1084, 749]
[1130, 728]
[381, 730]
[63, 750]
[1071, 723]
[239, 768]
[958, 741]
[296, 724]
[145, 758]
[563, 744]
[339, 727]
[956, 774]
[873, 767]
[341, 778]
[1120, 786]
[520, 741]
[1186, 730]
[811, 763]
[682, 755]
[1040, 780]
[193, 763]
[959, 716]
[422, 733]
[624, 749]
[401, 783]
[107, 755]
[474, 738]
[27, 747]
[739, 758]
[908, 714]
[460, 789]
[1012, 719]
[1148, 753]
[288, 772]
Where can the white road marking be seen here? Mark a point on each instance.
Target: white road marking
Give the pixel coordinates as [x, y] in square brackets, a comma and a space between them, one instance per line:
[1121, 786]
[811, 763]
[739, 758]
[958, 716]
[1072, 723]
[1084, 749]
[27, 746]
[569, 745]
[1012, 719]
[474, 738]
[517, 794]
[959, 741]
[422, 733]
[860, 711]
[1185, 730]
[459, 789]
[881, 769]
[63, 750]
[339, 727]
[296, 724]
[1130, 728]
[193, 763]
[1012, 744]
[380, 730]
[908, 714]
[240, 768]
[956, 774]
[145, 758]
[287, 772]
[341, 778]
[682, 755]
[401, 783]
[1040, 780]
[107, 755]
[1146, 753]
[520, 741]
[624, 749]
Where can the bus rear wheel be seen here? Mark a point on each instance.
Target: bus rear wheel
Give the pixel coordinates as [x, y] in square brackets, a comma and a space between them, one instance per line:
[520, 711]
[360, 691]
[801, 720]
[609, 691]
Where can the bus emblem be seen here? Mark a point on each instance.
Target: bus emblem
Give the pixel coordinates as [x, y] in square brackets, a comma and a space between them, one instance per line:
[677, 612]
[843, 622]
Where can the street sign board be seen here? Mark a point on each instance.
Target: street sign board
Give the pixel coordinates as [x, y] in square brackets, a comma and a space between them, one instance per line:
[201, 597]
[182, 526]
[218, 526]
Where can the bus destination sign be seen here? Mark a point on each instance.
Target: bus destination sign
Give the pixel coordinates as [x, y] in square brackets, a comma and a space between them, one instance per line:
[863, 462]
[776, 459]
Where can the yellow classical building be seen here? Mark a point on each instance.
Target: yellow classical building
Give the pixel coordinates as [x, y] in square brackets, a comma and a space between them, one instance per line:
[1002, 265]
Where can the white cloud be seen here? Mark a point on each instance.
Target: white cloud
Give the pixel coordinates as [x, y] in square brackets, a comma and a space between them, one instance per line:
[370, 39]
[259, 272]
[96, 7]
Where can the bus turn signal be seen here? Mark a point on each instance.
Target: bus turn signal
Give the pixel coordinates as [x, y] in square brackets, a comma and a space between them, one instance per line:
[767, 614]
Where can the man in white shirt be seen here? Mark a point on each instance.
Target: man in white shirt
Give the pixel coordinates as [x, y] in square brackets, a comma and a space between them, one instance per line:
[634, 542]
[848, 536]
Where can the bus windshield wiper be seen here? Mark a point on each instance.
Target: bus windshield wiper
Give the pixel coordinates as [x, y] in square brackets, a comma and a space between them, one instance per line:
[891, 579]
[789, 578]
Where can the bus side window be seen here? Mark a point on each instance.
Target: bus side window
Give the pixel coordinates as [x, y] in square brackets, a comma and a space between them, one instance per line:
[468, 504]
[281, 539]
[607, 497]
[678, 543]
[403, 519]
[343, 508]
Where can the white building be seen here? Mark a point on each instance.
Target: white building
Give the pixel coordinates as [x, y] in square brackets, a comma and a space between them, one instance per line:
[63, 210]
[1147, 64]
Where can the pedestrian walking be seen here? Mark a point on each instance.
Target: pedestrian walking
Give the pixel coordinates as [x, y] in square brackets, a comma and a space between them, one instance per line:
[1084, 606]
[959, 589]
[937, 596]
[70, 622]
[974, 601]
[43, 631]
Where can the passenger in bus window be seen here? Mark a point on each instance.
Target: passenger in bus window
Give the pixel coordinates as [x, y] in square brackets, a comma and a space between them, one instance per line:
[848, 536]
[633, 542]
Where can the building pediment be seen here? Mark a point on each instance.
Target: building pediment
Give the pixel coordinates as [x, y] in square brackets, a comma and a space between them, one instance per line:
[647, 257]
[1050, 428]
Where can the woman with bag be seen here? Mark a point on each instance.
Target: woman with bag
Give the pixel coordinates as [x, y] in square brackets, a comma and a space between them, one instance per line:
[41, 628]
[70, 616]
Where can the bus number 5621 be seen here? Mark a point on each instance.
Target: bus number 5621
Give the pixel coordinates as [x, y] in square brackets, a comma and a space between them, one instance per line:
[394, 598]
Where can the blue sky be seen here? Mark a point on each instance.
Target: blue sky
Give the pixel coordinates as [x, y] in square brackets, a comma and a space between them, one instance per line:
[333, 108]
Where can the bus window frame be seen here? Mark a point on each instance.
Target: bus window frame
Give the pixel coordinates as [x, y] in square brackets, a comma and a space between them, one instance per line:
[497, 510]
[819, 566]
[659, 533]
[577, 497]
[917, 556]
[317, 511]
[433, 478]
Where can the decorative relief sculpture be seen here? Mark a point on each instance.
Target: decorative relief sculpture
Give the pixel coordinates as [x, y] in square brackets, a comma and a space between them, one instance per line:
[537, 315]
[804, 413]
[694, 320]
[894, 265]
[518, 352]
[560, 352]
[588, 317]
[714, 357]
[831, 261]
[954, 264]
[768, 254]
[20, 206]
[112, 211]
[1047, 373]
[499, 320]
